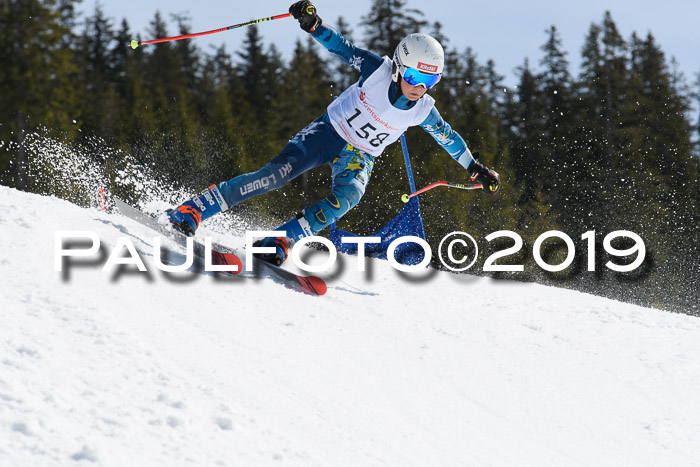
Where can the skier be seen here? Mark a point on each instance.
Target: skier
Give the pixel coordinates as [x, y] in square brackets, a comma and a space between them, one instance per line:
[390, 96]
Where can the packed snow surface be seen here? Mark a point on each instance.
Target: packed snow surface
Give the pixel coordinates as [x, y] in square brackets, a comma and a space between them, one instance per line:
[102, 368]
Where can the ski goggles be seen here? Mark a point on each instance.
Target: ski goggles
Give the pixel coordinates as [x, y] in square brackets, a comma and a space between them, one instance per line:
[415, 77]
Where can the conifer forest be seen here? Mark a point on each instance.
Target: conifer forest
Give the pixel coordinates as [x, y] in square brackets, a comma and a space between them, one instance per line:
[613, 147]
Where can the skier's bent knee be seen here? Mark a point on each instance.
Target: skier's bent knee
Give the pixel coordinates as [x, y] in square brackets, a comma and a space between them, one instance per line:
[332, 207]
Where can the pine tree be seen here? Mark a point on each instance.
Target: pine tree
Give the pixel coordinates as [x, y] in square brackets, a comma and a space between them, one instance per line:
[126, 75]
[272, 77]
[697, 124]
[188, 52]
[226, 130]
[631, 166]
[556, 92]
[474, 104]
[389, 21]
[497, 98]
[306, 89]
[526, 147]
[557, 113]
[477, 121]
[612, 81]
[36, 79]
[169, 140]
[658, 142]
[93, 59]
[253, 61]
[601, 105]
[67, 19]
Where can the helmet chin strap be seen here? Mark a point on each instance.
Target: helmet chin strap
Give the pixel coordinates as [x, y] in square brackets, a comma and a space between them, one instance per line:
[394, 71]
[399, 92]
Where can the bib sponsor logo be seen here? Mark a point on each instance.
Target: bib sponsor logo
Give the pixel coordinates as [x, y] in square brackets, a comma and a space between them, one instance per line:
[429, 68]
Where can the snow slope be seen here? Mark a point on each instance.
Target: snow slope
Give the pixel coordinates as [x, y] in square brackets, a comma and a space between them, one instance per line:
[448, 370]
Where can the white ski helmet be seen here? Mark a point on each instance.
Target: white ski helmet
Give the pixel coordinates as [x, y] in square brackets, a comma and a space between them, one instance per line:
[419, 59]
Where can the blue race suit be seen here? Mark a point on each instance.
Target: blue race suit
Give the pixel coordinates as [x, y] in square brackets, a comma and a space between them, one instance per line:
[319, 144]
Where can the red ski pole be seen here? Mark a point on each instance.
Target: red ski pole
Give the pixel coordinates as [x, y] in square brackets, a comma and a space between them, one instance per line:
[136, 43]
[461, 186]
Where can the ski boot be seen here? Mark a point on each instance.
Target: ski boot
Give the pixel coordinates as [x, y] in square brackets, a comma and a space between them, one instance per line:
[186, 217]
[296, 229]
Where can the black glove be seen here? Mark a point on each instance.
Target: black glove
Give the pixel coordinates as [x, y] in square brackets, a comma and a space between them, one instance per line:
[305, 12]
[489, 179]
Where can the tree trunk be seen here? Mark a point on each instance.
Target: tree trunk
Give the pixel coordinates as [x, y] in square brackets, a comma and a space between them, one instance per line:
[21, 153]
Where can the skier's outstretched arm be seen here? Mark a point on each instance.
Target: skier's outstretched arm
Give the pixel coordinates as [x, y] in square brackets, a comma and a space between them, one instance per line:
[450, 140]
[456, 147]
[362, 60]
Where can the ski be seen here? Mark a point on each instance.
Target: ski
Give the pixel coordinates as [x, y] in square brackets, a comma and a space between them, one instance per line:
[221, 255]
[311, 285]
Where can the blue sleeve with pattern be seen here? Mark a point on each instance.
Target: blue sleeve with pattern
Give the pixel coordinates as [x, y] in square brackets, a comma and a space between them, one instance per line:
[362, 60]
[449, 139]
